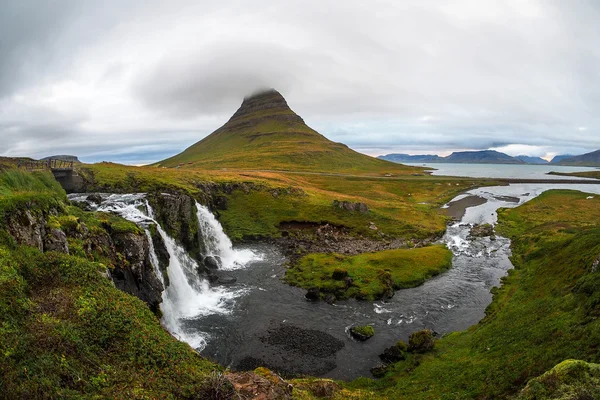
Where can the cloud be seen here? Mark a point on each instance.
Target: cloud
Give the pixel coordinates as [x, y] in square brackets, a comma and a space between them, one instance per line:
[133, 81]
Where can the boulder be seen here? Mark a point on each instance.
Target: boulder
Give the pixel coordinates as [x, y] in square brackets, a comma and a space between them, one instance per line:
[351, 206]
[212, 277]
[313, 294]
[483, 230]
[227, 280]
[394, 353]
[212, 262]
[362, 333]
[94, 198]
[330, 298]
[421, 341]
[56, 240]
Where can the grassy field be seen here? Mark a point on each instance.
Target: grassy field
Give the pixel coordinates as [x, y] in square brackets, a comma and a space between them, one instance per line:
[545, 312]
[373, 274]
[258, 202]
[585, 174]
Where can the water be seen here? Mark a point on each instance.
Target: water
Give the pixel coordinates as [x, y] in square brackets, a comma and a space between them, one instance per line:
[506, 171]
[229, 324]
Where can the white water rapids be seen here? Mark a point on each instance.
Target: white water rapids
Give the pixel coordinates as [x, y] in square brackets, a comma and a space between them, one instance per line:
[188, 295]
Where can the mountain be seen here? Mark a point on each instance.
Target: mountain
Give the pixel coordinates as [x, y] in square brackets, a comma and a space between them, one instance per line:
[264, 133]
[532, 160]
[482, 157]
[588, 159]
[402, 158]
[560, 157]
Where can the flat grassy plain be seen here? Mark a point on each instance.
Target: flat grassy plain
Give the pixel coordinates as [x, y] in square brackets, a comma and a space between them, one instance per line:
[545, 312]
[258, 202]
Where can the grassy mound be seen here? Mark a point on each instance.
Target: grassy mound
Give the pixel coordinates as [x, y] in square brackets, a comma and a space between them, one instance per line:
[372, 275]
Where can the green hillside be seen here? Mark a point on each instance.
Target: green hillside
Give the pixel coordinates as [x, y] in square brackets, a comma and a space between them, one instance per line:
[266, 134]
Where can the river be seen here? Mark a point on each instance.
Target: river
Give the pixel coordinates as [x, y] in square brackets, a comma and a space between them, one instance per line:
[259, 320]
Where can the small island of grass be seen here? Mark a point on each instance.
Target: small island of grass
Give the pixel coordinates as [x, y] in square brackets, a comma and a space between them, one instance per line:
[369, 276]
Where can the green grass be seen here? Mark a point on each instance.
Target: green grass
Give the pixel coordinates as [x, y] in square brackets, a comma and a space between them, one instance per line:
[372, 274]
[584, 174]
[258, 202]
[545, 312]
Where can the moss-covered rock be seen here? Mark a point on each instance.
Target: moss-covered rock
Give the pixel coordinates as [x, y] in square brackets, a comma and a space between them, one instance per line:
[421, 341]
[394, 353]
[362, 333]
[571, 379]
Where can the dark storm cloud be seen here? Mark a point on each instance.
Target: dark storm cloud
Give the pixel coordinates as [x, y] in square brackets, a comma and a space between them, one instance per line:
[132, 80]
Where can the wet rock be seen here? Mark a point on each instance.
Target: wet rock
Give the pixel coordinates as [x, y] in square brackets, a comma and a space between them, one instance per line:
[362, 333]
[482, 230]
[56, 240]
[137, 276]
[351, 206]
[94, 198]
[379, 371]
[212, 277]
[176, 213]
[348, 282]
[227, 280]
[313, 294]
[212, 262]
[421, 341]
[394, 353]
[330, 298]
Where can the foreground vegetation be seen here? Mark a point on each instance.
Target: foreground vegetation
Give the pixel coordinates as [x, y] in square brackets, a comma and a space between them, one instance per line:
[546, 312]
[369, 276]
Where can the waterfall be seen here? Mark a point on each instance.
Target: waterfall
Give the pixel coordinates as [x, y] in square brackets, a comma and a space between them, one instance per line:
[188, 295]
[218, 244]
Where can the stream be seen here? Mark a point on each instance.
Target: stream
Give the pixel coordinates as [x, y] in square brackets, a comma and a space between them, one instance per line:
[259, 320]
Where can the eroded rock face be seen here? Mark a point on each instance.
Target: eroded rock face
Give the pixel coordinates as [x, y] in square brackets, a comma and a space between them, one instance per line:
[28, 228]
[176, 213]
[351, 206]
[136, 276]
[56, 240]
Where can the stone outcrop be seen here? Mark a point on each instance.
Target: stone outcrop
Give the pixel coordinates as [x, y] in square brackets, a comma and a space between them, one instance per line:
[176, 213]
[351, 206]
[136, 276]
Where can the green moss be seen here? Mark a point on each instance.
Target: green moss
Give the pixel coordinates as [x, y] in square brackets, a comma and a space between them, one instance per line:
[365, 330]
[372, 274]
[571, 379]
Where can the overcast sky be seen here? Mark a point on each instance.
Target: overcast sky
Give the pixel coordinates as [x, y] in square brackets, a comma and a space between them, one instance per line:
[137, 81]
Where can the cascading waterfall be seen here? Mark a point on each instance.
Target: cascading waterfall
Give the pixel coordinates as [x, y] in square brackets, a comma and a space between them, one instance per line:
[218, 244]
[188, 296]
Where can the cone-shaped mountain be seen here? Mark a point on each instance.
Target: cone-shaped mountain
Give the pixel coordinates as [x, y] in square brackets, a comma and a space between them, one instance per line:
[264, 133]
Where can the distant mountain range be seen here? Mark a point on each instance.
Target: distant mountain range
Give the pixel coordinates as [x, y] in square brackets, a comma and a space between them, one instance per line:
[589, 159]
[495, 157]
[461, 157]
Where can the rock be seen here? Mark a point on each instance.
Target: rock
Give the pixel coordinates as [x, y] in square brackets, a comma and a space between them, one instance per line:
[212, 277]
[322, 388]
[259, 385]
[379, 371]
[94, 198]
[482, 230]
[212, 262]
[348, 281]
[27, 228]
[330, 298]
[227, 280]
[221, 202]
[421, 341]
[137, 276]
[394, 353]
[56, 240]
[362, 333]
[313, 294]
[351, 206]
